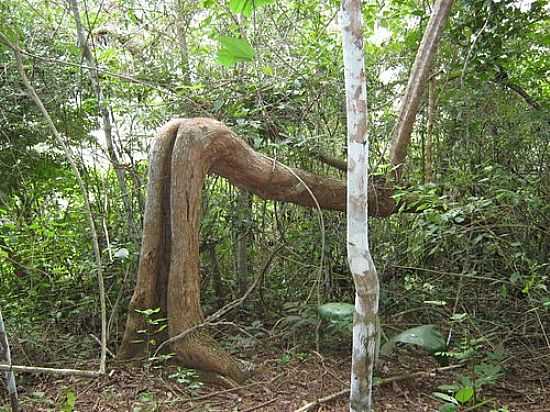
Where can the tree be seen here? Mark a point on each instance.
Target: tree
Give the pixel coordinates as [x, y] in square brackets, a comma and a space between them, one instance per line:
[360, 260]
[168, 275]
[184, 152]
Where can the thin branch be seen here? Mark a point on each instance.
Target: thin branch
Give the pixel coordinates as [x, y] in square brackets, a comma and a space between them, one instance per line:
[339, 164]
[523, 94]
[105, 111]
[51, 371]
[470, 50]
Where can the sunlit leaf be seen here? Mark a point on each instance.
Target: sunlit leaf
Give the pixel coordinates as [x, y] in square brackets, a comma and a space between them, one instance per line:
[233, 50]
[464, 394]
[445, 397]
[427, 337]
[336, 311]
[246, 7]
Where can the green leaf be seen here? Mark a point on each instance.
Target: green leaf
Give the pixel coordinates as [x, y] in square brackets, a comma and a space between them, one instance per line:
[336, 311]
[233, 50]
[448, 407]
[246, 7]
[425, 336]
[465, 394]
[444, 397]
[70, 401]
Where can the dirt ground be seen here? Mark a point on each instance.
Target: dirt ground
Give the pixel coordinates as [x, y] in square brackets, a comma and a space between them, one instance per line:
[284, 381]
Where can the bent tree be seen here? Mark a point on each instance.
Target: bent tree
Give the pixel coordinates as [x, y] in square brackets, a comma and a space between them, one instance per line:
[184, 152]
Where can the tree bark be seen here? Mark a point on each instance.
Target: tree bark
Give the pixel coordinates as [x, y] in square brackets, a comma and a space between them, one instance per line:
[416, 85]
[184, 152]
[428, 166]
[243, 240]
[360, 260]
[5, 355]
[183, 19]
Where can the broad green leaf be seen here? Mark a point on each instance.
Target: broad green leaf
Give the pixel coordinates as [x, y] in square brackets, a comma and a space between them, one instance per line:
[233, 50]
[445, 397]
[425, 336]
[336, 311]
[465, 394]
[246, 7]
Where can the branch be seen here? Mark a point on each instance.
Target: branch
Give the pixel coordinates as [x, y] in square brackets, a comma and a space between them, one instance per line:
[270, 179]
[50, 371]
[416, 85]
[104, 110]
[523, 94]
[339, 164]
[430, 373]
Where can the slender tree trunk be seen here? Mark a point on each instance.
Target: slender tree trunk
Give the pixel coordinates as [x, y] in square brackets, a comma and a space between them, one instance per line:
[217, 282]
[243, 240]
[432, 93]
[5, 356]
[416, 85]
[362, 267]
[183, 19]
[105, 111]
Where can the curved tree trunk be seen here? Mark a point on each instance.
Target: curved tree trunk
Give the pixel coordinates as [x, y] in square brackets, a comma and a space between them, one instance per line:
[184, 152]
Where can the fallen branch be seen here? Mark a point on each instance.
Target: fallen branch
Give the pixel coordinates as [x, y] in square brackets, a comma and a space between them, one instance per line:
[432, 372]
[50, 371]
[255, 408]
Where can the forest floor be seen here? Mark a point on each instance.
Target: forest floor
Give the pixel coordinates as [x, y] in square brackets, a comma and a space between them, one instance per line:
[285, 381]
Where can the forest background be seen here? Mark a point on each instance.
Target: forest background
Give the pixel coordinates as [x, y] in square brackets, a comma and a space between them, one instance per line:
[468, 253]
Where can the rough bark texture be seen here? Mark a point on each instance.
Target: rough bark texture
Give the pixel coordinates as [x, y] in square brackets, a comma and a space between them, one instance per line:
[184, 152]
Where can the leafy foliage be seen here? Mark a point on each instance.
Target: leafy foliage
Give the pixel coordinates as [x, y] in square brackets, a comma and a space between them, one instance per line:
[468, 248]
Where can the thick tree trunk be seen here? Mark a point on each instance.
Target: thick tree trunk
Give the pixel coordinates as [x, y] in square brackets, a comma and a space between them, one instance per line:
[184, 152]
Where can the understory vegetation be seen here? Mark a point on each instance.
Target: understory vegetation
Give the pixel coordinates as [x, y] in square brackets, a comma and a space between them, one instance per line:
[467, 250]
